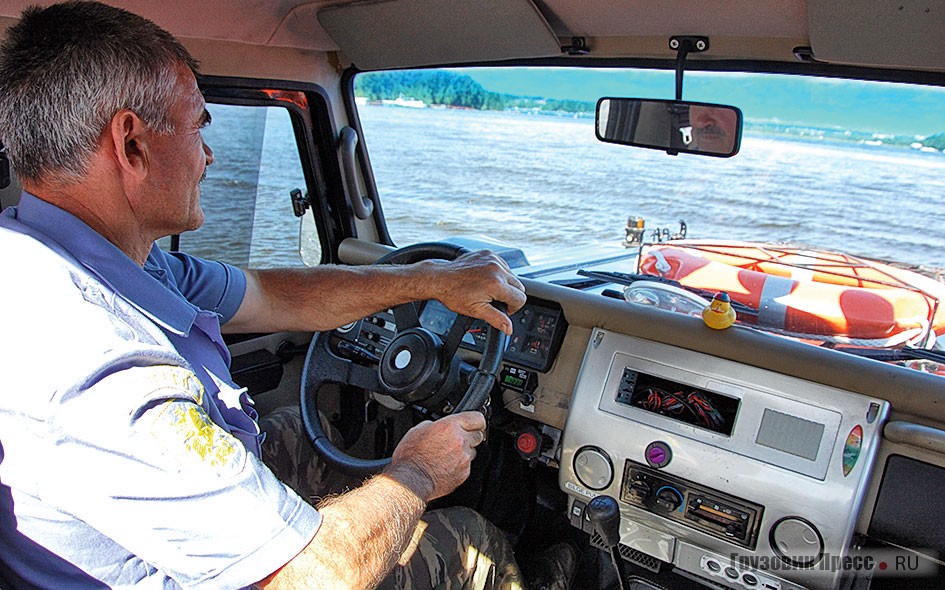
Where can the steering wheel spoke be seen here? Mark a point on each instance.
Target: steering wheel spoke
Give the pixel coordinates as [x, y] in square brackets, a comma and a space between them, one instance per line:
[333, 368]
[455, 335]
[363, 377]
[407, 316]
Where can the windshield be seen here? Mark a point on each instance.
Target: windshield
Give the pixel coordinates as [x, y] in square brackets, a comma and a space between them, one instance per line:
[847, 165]
[825, 164]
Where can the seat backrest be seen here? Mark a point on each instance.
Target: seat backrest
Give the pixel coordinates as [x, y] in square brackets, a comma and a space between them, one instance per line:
[10, 195]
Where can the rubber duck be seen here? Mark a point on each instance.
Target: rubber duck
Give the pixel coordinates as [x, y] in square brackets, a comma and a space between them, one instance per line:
[719, 314]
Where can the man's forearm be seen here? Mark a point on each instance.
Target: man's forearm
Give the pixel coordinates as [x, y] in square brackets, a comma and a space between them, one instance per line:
[321, 298]
[363, 533]
[329, 296]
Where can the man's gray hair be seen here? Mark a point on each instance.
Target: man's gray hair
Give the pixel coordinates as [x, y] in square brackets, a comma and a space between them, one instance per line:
[67, 69]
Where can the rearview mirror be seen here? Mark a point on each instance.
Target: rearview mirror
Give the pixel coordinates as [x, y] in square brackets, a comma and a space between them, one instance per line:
[671, 125]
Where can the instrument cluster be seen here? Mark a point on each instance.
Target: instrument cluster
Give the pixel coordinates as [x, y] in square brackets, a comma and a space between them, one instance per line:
[537, 332]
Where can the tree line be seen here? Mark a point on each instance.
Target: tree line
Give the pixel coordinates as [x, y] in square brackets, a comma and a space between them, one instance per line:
[435, 87]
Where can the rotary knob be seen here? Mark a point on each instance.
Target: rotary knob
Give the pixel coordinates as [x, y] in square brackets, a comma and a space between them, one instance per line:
[640, 489]
[593, 468]
[668, 498]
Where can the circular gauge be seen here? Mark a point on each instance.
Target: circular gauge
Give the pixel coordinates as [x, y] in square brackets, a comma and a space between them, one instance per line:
[797, 541]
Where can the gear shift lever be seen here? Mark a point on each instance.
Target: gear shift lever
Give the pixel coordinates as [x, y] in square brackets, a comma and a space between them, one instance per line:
[604, 514]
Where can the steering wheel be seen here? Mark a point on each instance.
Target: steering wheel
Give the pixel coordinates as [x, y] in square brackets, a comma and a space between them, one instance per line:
[418, 367]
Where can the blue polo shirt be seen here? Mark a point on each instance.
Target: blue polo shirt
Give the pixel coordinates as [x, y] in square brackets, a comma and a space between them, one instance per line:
[128, 458]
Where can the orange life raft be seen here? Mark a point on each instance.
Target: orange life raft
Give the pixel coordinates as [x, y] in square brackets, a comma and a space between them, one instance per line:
[806, 292]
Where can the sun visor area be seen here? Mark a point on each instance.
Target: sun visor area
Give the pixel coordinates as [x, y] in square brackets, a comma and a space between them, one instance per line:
[408, 33]
[905, 33]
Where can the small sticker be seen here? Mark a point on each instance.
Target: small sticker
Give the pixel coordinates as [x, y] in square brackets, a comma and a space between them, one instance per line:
[578, 489]
[851, 449]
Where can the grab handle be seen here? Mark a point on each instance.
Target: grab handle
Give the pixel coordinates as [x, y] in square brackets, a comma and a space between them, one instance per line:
[347, 144]
[916, 435]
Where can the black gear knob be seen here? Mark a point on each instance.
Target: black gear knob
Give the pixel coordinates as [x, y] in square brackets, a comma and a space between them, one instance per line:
[604, 514]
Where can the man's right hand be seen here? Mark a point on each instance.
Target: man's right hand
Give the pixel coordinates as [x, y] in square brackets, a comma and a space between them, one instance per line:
[434, 458]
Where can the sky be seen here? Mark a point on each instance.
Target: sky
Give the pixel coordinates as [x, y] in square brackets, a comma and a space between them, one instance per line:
[899, 109]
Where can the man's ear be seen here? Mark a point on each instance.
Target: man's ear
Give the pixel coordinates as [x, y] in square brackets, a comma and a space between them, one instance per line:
[128, 139]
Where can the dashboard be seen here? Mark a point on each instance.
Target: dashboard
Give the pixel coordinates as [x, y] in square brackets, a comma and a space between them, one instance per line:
[742, 459]
[698, 451]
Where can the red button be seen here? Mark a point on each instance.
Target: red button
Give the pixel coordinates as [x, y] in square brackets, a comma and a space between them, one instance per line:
[527, 443]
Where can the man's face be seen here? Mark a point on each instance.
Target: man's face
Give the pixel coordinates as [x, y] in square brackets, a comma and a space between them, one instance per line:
[713, 128]
[179, 161]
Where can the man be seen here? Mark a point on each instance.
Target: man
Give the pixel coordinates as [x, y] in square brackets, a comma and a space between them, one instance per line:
[128, 458]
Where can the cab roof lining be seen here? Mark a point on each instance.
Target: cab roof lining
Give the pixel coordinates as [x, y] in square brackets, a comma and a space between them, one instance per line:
[374, 34]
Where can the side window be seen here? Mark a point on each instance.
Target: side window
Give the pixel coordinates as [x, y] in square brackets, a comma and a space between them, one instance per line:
[249, 221]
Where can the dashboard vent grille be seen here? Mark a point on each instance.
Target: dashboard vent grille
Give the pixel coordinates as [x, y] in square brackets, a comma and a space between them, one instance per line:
[632, 555]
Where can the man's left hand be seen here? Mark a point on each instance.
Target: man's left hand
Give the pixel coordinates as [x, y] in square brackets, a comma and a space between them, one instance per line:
[470, 284]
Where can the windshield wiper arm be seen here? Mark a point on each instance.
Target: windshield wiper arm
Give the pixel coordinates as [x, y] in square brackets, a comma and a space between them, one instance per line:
[937, 356]
[906, 353]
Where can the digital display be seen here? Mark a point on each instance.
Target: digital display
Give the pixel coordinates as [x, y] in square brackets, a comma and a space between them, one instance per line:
[517, 379]
[513, 381]
[694, 406]
[790, 434]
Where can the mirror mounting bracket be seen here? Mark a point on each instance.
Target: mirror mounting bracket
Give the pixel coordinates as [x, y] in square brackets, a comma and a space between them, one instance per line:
[683, 45]
[578, 46]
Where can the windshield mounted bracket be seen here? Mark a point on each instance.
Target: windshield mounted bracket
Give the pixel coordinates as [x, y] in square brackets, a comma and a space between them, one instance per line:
[683, 45]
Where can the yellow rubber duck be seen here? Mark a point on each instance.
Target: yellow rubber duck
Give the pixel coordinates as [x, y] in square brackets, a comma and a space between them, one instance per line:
[719, 314]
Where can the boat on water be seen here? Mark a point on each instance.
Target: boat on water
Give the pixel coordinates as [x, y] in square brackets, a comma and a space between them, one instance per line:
[404, 102]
